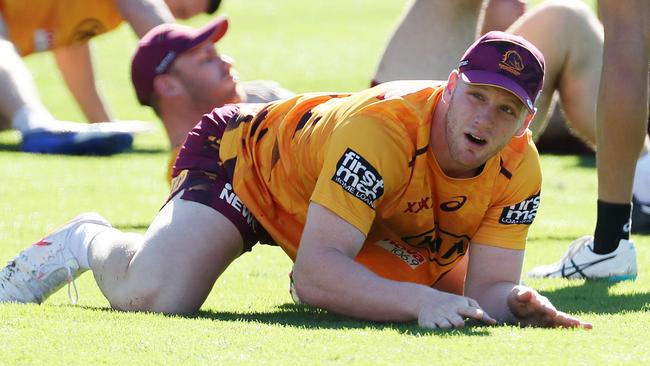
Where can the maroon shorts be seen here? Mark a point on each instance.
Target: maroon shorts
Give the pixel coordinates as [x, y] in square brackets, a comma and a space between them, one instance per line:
[200, 174]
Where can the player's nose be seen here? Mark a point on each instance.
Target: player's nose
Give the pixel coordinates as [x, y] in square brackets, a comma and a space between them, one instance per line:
[227, 60]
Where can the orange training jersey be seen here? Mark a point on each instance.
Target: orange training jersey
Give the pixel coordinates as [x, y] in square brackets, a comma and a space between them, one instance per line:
[41, 25]
[365, 156]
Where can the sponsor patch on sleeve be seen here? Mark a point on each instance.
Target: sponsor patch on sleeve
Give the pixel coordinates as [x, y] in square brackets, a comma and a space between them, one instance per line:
[359, 178]
[522, 213]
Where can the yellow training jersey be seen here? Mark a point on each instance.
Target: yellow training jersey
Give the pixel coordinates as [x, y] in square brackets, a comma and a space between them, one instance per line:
[365, 156]
[40, 25]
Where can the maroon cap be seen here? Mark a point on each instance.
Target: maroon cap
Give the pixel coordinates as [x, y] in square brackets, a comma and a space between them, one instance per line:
[506, 61]
[158, 49]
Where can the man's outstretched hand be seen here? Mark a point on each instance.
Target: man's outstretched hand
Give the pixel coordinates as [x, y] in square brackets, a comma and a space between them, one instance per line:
[531, 308]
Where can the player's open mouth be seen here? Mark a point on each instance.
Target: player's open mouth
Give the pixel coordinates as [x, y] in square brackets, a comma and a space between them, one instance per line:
[475, 139]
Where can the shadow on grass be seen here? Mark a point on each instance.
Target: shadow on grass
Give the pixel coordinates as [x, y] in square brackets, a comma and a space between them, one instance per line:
[300, 316]
[594, 297]
[144, 151]
[9, 147]
[305, 317]
[587, 161]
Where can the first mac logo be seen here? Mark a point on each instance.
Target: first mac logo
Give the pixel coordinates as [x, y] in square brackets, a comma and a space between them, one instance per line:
[523, 212]
[359, 178]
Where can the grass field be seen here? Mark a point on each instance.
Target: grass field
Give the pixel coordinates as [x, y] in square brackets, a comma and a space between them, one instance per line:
[249, 318]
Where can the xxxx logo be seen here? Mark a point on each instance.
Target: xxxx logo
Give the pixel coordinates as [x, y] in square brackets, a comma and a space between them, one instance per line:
[417, 206]
[454, 204]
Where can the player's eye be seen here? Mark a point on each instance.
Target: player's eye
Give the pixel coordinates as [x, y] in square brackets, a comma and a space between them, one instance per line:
[477, 95]
[507, 109]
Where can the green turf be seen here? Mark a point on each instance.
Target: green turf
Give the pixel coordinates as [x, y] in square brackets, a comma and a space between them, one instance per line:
[249, 317]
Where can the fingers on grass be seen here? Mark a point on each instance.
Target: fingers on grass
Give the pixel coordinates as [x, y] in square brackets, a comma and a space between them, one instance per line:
[457, 321]
[565, 320]
[476, 313]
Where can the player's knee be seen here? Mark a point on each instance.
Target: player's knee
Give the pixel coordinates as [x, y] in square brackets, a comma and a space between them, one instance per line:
[154, 298]
[135, 302]
[572, 13]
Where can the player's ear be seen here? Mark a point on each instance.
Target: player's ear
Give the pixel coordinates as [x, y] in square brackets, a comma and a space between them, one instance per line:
[527, 121]
[452, 81]
[167, 86]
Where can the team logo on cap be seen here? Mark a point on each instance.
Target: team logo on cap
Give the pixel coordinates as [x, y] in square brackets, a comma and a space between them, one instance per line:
[512, 62]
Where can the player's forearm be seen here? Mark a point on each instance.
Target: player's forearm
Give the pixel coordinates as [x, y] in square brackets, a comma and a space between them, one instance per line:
[494, 300]
[143, 15]
[76, 66]
[335, 282]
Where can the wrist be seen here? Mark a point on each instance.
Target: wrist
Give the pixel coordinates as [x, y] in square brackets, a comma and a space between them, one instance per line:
[423, 295]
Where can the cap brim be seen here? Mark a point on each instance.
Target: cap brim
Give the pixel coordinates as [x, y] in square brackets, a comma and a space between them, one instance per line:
[481, 77]
[212, 31]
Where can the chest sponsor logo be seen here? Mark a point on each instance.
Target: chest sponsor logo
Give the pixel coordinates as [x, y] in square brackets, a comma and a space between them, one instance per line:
[523, 213]
[444, 248]
[456, 203]
[359, 178]
[409, 256]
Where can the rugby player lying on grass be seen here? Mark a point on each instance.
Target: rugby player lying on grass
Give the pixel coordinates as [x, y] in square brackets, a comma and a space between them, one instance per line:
[178, 72]
[378, 196]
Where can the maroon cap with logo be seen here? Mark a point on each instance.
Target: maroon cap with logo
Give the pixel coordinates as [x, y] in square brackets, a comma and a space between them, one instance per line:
[158, 49]
[506, 61]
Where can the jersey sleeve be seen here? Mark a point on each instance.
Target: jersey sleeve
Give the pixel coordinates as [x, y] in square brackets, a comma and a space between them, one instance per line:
[366, 165]
[512, 211]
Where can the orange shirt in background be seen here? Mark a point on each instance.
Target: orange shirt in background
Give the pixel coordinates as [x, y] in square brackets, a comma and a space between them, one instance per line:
[41, 25]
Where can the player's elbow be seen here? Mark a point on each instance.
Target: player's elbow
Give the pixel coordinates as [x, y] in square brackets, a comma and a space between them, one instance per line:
[305, 288]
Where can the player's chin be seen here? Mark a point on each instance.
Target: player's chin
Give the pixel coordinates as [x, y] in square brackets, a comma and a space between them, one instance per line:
[227, 94]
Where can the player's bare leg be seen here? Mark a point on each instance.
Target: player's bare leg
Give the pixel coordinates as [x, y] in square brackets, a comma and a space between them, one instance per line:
[430, 36]
[422, 46]
[185, 249]
[623, 98]
[500, 14]
[573, 65]
[622, 113]
[621, 119]
[172, 270]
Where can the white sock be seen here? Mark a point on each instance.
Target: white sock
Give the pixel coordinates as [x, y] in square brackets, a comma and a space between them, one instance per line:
[81, 248]
[32, 117]
[642, 179]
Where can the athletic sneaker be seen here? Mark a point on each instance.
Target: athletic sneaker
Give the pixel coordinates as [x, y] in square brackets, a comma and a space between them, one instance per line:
[581, 262]
[89, 142]
[47, 265]
[640, 217]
